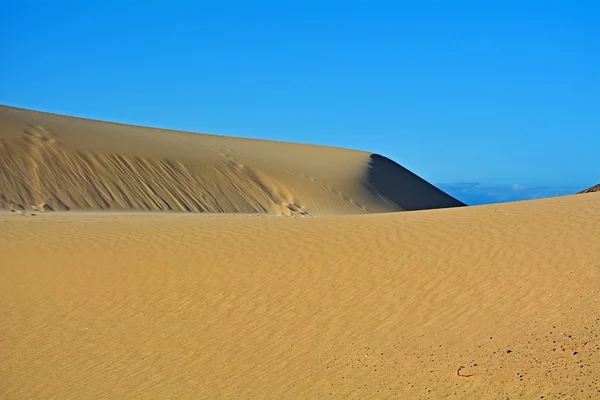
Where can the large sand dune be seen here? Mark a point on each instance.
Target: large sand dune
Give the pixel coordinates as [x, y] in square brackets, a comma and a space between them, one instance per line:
[488, 302]
[60, 163]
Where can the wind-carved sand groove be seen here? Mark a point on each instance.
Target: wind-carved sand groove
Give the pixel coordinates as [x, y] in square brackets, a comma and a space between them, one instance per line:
[50, 162]
[95, 181]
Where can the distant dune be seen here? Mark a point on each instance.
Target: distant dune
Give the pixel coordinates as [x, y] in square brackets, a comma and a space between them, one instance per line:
[52, 162]
[592, 189]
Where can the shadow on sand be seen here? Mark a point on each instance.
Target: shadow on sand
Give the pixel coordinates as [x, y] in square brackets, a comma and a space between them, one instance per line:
[400, 187]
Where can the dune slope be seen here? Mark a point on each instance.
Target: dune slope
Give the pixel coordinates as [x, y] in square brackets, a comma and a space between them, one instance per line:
[53, 162]
[591, 190]
[490, 302]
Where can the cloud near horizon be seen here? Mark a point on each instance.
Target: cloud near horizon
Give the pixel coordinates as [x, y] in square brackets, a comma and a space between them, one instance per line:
[476, 193]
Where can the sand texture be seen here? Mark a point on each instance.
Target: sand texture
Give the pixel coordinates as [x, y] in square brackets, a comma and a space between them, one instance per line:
[489, 302]
[52, 162]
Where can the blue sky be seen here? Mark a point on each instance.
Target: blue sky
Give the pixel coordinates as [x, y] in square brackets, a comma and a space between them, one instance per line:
[500, 95]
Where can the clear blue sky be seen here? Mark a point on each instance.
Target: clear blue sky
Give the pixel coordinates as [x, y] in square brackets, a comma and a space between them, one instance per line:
[499, 93]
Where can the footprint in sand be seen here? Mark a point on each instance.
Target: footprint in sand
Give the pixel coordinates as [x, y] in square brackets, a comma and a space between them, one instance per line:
[38, 134]
[296, 209]
[44, 207]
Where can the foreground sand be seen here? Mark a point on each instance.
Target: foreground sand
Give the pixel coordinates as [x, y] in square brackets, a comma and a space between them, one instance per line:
[53, 162]
[484, 302]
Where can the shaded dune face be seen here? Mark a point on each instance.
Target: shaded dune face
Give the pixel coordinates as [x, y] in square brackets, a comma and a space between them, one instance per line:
[409, 194]
[51, 162]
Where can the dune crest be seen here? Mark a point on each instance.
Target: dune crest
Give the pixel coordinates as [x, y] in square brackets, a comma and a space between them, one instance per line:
[52, 162]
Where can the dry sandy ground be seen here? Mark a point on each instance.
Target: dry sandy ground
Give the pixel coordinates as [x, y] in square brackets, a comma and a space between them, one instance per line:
[55, 162]
[497, 302]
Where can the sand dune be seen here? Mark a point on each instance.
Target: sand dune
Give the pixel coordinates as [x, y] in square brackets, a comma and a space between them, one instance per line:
[592, 189]
[52, 162]
[490, 302]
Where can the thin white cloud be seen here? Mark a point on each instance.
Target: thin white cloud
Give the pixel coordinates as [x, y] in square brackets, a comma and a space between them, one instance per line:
[489, 194]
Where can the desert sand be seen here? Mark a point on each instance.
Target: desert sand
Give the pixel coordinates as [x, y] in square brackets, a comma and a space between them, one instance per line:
[487, 302]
